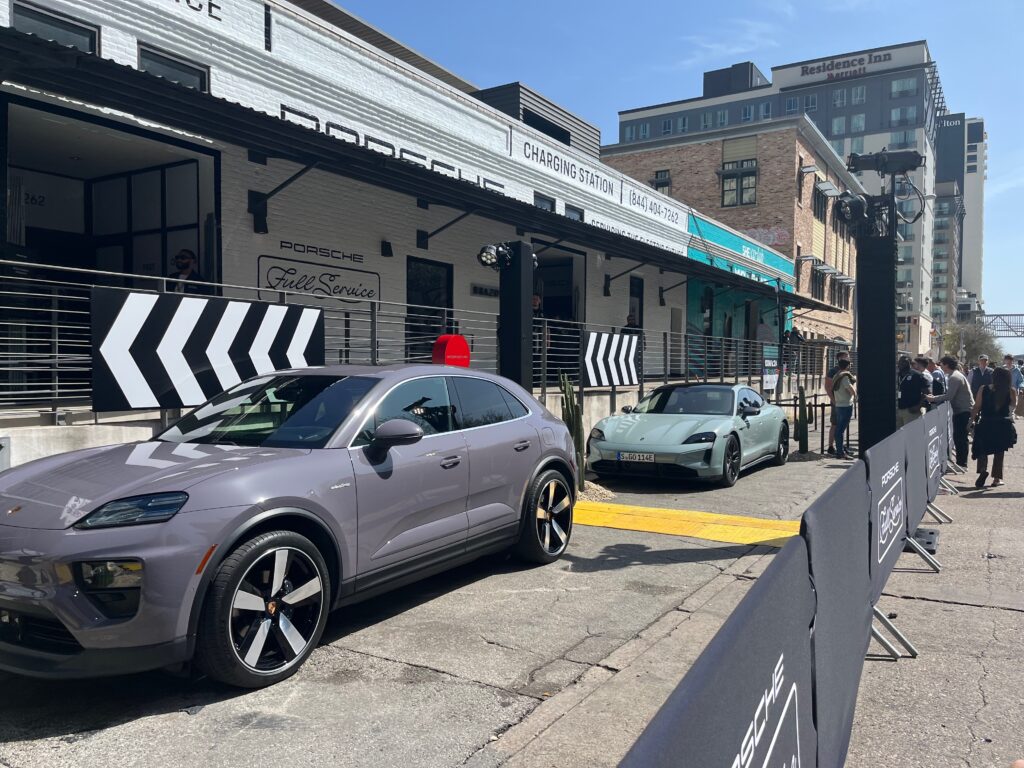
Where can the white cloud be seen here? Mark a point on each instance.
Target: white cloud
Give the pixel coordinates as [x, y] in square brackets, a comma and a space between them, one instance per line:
[736, 39]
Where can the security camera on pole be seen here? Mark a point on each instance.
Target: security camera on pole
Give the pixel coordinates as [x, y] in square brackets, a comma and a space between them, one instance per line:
[874, 220]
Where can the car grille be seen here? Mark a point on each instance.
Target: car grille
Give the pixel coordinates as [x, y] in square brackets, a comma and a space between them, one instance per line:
[645, 469]
[37, 633]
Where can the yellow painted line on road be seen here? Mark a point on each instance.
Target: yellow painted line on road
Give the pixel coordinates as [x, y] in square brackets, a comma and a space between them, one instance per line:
[730, 529]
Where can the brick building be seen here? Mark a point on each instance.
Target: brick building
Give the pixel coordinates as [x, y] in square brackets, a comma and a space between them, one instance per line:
[776, 181]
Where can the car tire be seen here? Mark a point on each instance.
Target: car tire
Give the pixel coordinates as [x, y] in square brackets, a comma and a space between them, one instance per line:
[547, 519]
[247, 645]
[731, 459]
[782, 448]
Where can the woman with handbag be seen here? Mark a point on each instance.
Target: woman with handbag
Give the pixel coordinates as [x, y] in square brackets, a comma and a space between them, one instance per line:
[994, 433]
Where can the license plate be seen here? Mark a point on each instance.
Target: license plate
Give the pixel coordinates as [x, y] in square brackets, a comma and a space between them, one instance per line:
[627, 456]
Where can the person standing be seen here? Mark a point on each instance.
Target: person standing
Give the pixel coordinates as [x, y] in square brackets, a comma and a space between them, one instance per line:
[980, 375]
[844, 392]
[1016, 381]
[994, 433]
[829, 384]
[914, 387]
[938, 377]
[185, 270]
[958, 395]
[633, 328]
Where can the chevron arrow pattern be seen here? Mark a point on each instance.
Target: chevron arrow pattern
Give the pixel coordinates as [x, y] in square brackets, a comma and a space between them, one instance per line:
[610, 359]
[173, 351]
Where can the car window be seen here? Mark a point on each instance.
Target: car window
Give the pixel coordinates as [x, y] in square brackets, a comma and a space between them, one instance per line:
[280, 411]
[481, 402]
[749, 397]
[516, 407]
[424, 402]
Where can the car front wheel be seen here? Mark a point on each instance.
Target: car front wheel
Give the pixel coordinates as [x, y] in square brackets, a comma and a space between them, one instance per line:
[731, 462]
[547, 523]
[265, 611]
[782, 449]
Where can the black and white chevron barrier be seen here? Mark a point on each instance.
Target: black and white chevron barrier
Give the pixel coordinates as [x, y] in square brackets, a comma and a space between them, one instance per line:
[170, 351]
[611, 358]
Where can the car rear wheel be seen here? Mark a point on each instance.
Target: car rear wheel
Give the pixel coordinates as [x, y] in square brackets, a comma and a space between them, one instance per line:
[547, 524]
[265, 611]
[782, 449]
[731, 462]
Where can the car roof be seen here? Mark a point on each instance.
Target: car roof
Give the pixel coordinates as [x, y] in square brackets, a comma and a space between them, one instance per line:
[694, 384]
[396, 371]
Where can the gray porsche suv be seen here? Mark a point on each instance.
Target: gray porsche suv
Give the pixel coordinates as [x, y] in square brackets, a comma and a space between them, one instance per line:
[227, 539]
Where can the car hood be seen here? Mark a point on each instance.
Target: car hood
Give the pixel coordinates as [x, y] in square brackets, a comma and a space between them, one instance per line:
[58, 491]
[650, 429]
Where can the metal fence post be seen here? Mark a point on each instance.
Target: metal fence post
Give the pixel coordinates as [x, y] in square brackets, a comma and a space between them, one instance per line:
[373, 333]
[664, 356]
[542, 345]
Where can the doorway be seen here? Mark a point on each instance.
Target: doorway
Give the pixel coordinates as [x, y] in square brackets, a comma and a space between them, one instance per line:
[428, 289]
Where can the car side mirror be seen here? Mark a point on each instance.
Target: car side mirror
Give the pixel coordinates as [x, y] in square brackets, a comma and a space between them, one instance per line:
[749, 410]
[394, 432]
[627, 409]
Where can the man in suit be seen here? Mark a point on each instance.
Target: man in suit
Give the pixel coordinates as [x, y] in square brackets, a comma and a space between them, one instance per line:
[185, 270]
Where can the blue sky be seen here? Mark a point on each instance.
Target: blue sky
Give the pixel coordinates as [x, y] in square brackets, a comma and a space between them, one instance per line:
[597, 57]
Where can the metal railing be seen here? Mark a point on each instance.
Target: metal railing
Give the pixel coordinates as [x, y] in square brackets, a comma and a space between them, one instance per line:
[45, 344]
[674, 356]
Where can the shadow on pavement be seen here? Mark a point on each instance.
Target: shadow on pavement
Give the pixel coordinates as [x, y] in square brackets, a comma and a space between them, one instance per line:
[617, 556]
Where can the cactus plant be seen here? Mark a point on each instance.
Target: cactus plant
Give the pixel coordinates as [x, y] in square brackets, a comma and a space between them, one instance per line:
[573, 419]
[801, 421]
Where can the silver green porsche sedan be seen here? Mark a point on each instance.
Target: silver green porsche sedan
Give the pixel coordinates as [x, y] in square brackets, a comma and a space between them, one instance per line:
[691, 431]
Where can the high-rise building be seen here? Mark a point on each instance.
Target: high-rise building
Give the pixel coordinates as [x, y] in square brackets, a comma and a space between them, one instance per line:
[975, 173]
[862, 102]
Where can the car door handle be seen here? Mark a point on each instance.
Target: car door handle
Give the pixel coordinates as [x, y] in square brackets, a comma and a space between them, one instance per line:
[521, 446]
[450, 461]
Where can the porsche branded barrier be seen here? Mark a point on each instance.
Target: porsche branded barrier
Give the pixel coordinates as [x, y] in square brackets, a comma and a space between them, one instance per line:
[837, 546]
[916, 451]
[153, 350]
[936, 425]
[751, 700]
[747, 699]
[888, 510]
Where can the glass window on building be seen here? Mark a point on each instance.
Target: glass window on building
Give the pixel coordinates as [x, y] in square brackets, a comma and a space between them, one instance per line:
[859, 94]
[792, 105]
[543, 202]
[574, 213]
[629, 133]
[645, 130]
[972, 169]
[747, 113]
[903, 139]
[903, 115]
[839, 97]
[942, 222]
[904, 86]
[766, 110]
[723, 118]
[839, 125]
[56, 27]
[839, 145]
[811, 102]
[905, 255]
[666, 126]
[972, 147]
[662, 181]
[857, 123]
[819, 202]
[739, 183]
[904, 275]
[706, 121]
[857, 145]
[682, 124]
[942, 208]
[174, 69]
[972, 158]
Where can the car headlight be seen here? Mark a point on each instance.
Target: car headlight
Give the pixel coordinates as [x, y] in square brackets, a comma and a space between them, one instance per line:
[596, 434]
[136, 510]
[700, 437]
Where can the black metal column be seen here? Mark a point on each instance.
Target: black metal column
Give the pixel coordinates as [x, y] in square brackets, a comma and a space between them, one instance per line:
[876, 338]
[515, 322]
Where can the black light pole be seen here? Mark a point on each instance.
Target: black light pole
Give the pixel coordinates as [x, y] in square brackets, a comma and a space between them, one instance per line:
[875, 220]
[515, 264]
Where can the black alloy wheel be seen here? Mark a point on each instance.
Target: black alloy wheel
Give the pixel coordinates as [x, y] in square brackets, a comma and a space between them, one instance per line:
[782, 449]
[547, 523]
[266, 611]
[731, 462]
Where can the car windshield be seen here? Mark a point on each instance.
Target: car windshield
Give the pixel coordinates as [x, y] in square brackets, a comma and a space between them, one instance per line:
[274, 411]
[703, 400]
